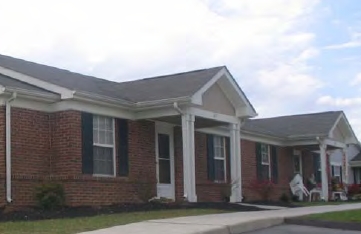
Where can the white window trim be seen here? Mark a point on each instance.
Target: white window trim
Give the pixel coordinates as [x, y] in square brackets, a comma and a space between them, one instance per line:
[220, 158]
[269, 160]
[108, 146]
[336, 165]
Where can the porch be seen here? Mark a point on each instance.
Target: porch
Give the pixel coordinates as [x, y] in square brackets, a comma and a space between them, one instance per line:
[220, 104]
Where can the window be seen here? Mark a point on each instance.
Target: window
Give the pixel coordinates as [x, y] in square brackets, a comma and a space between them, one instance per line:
[219, 158]
[336, 171]
[266, 169]
[103, 145]
[297, 164]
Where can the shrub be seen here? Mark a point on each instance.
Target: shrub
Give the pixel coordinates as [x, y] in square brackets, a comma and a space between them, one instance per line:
[50, 196]
[226, 192]
[144, 187]
[353, 189]
[295, 198]
[263, 188]
[284, 198]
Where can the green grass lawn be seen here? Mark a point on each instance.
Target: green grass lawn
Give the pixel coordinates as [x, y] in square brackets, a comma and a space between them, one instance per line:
[341, 216]
[320, 203]
[75, 225]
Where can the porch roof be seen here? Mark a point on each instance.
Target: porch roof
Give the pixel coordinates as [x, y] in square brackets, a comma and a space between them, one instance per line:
[303, 129]
[294, 126]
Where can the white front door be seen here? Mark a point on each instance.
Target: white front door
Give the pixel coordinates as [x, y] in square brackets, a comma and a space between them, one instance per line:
[165, 160]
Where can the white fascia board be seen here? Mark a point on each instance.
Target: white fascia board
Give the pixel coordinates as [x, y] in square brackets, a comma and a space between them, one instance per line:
[48, 97]
[355, 163]
[251, 111]
[330, 134]
[212, 115]
[91, 97]
[334, 143]
[215, 131]
[246, 135]
[155, 113]
[197, 97]
[106, 110]
[161, 103]
[63, 92]
[247, 111]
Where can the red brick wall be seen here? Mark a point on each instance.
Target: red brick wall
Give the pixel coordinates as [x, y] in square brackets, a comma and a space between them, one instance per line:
[47, 147]
[206, 190]
[249, 171]
[30, 143]
[65, 158]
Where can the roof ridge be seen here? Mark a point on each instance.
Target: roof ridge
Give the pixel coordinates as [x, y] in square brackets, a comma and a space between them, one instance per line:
[294, 115]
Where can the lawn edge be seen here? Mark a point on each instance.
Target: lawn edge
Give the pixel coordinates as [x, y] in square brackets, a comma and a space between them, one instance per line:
[351, 226]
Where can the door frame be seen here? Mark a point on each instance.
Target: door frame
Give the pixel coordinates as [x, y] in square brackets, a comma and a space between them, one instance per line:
[299, 154]
[165, 128]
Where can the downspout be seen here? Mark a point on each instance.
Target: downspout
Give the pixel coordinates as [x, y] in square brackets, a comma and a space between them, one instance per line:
[8, 146]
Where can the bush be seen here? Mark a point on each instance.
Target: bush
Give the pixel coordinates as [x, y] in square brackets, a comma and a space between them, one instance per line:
[263, 188]
[353, 189]
[284, 198]
[50, 196]
[295, 198]
[144, 187]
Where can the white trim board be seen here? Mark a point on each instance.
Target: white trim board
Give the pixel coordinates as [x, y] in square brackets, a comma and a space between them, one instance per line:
[63, 92]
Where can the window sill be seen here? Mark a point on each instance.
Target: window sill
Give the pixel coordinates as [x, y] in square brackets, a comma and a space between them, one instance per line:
[102, 175]
[220, 181]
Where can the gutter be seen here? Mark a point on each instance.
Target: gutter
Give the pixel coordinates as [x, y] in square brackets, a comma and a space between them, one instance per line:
[8, 146]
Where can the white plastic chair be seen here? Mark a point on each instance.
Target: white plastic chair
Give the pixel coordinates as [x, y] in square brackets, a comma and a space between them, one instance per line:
[297, 186]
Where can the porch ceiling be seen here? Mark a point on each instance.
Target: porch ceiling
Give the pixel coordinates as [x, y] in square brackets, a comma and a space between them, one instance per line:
[198, 123]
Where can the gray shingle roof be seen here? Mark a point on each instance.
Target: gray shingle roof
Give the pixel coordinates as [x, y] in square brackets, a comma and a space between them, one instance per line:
[12, 83]
[157, 88]
[357, 158]
[294, 126]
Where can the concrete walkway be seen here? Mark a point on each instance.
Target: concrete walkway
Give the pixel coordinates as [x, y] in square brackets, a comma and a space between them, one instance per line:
[230, 223]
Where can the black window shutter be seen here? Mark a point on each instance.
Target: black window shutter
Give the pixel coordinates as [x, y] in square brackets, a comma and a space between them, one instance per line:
[341, 175]
[274, 163]
[316, 165]
[210, 157]
[123, 158]
[87, 142]
[259, 161]
[332, 171]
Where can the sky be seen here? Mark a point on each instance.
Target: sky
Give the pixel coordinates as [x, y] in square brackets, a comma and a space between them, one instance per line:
[289, 57]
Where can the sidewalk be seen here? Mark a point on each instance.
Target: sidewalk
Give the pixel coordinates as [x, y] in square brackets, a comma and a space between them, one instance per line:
[230, 223]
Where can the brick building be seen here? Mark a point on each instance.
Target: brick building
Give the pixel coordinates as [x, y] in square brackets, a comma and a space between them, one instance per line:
[185, 135]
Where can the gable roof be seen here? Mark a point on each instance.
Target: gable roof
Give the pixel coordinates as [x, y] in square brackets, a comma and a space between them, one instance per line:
[294, 126]
[157, 88]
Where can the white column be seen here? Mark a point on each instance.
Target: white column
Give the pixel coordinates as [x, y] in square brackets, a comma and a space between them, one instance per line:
[236, 174]
[324, 176]
[345, 166]
[189, 175]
